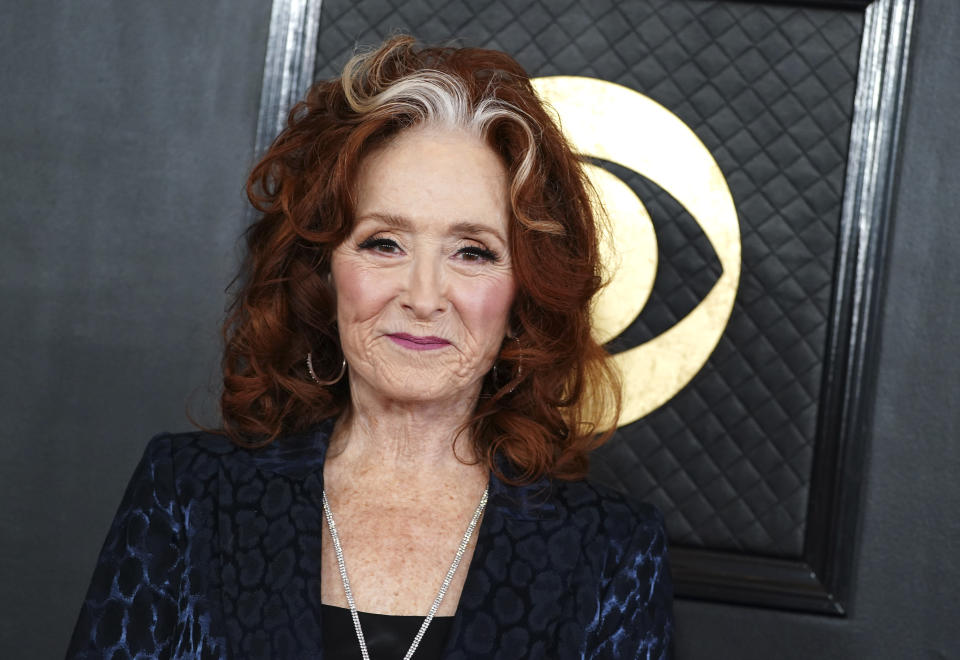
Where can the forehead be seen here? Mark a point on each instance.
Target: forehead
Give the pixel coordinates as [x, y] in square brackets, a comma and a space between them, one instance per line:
[434, 177]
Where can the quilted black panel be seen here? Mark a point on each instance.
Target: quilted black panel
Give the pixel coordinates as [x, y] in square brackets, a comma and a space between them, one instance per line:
[769, 90]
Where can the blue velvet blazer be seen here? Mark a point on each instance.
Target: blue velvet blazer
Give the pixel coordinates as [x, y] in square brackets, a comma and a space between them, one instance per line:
[215, 553]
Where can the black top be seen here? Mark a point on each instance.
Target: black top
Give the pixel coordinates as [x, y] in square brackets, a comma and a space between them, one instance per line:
[388, 637]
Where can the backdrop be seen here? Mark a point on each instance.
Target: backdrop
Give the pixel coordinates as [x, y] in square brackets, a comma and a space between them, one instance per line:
[128, 131]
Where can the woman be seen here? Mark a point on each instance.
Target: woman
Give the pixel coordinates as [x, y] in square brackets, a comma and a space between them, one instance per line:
[408, 383]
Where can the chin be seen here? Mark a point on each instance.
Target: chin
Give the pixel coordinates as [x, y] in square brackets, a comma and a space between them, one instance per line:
[426, 388]
[433, 394]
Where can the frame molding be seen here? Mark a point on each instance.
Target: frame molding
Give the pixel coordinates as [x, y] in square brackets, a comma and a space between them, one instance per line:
[821, 580]
[288, 66]
[827, 4]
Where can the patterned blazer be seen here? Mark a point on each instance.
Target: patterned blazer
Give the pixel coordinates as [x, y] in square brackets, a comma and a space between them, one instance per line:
[215, 553]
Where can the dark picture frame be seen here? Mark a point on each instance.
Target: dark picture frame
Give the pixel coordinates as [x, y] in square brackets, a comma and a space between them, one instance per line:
[820, 581]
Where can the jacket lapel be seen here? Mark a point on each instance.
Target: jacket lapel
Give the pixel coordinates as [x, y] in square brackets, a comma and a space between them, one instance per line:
[513, 513]
[270, 532]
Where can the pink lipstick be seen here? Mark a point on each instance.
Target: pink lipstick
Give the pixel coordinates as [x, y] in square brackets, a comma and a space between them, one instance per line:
[415, 343]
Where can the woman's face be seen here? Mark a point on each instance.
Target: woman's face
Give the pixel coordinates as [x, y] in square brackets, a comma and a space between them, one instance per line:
[424, 282]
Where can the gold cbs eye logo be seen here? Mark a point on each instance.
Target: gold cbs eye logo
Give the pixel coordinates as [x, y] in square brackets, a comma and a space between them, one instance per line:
[612, 122]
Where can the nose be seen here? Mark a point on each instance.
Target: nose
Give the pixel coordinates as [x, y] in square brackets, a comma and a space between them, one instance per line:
[425, 295]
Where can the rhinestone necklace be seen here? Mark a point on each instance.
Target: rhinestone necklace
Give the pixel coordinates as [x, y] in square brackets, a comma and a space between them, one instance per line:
[436, 602]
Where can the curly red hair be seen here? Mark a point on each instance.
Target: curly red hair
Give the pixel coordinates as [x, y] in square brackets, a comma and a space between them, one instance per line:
[542, 416]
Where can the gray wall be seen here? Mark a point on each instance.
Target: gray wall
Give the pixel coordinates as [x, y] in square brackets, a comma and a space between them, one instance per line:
[126, 133]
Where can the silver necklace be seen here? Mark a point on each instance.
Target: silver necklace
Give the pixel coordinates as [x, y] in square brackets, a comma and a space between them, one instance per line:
[436, 602]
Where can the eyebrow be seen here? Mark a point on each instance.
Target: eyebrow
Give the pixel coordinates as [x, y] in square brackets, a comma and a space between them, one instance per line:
[389, 219]
[401, 222]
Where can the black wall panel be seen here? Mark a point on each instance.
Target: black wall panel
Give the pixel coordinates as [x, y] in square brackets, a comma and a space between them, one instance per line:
[906, 573]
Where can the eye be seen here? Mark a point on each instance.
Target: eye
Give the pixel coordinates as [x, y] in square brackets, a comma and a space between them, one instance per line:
[475, 253]
[380, 244]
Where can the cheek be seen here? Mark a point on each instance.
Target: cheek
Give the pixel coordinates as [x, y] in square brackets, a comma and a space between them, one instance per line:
[360, 292]
[488, 305]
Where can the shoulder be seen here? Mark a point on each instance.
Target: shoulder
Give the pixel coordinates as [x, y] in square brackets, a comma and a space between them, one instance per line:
[184, 479]
[611, 522]
[176, 468]
[184, 448]
[591, 503]
[170, 457]
[200, 454]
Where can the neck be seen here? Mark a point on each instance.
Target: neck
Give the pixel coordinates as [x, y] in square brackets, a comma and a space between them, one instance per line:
[400, 437]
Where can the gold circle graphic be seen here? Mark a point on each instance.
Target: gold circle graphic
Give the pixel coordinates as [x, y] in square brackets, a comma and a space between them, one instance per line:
[609, 121]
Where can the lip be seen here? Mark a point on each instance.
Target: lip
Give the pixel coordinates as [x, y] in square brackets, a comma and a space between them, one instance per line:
[417, 343]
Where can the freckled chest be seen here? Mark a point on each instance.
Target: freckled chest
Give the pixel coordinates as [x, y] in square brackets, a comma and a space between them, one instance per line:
[398, 548]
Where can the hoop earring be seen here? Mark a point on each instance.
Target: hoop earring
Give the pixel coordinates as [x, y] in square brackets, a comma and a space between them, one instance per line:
[313, 374]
